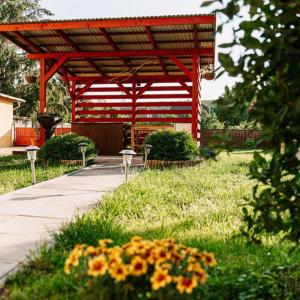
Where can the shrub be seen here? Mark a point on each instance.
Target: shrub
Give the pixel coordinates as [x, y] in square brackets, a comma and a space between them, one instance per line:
[66, 147]
[140, 269]
[171, 145]
[250, 144]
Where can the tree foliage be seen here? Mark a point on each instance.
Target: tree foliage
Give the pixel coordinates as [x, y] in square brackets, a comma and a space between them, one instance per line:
[14, 65]
[269, 68]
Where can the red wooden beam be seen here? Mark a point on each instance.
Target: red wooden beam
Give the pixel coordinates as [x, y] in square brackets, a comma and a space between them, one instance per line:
[110, 23]
[124, 89]
[181, 66]
[168, 120]
[144, 88]
[28, 42]
[104, 112]
[129, 79]
[104, 104]
[55, 68]
[152, 40]
[103, 120]
[195, 34]
[162, 104]
[152, 89]
[148, 96]
[83, 90]
[111, 42]
[131, 53]
[72, 44]
[123, 33]
[163, 112]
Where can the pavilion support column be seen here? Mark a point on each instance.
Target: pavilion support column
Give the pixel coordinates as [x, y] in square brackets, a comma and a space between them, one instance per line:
[73, 101]
[134, 98]
[43, 92]
[195, 97]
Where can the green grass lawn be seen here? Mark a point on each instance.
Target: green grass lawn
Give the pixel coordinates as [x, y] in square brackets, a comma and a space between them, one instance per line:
[199, 206]
[15, 172]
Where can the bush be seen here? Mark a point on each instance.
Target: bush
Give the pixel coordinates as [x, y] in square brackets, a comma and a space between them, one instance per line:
[250, 144]
[171, 145]
[66, 147]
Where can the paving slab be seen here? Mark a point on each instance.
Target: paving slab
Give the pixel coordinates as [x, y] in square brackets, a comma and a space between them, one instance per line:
[29, 215]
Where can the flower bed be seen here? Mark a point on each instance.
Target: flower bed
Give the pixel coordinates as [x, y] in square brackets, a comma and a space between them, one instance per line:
[171, 163]
[141, 267]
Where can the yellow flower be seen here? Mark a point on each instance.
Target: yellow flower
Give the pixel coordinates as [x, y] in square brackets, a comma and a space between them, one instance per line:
[91, 250]
[208, 259]
[119, 271]
[136, 239]
[97, 266]
[159, 279]
[138, 266]
[73, 259]
[185, 284]
[103, 243]
[201, 276]
[161, 255]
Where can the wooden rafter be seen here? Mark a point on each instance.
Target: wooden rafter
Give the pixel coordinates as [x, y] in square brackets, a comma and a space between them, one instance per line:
[151, 38]
[76, 48]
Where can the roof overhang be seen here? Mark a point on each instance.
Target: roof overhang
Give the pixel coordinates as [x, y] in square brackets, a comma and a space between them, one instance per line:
[143, 46]
[10, 98]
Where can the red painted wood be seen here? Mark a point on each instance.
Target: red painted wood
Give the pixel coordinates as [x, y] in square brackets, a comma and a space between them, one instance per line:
[152, 88]
[167, 120]
[181, 66]
[104, 112]
[157, 104]
[110, 23]
[106, 104]
[57, 65]
[103, 120]
[163, 111]
[148, 96]
[83, 90]
[195, 94]
[73, 101]
[43, 100]
[203, 52]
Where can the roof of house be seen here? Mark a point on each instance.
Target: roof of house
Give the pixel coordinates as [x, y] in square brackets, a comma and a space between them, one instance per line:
[119, 37]
[10, 98]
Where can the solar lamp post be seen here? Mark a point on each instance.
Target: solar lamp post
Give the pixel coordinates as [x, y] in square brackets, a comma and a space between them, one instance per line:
[127, 159]
[82, 148]
[31, 156]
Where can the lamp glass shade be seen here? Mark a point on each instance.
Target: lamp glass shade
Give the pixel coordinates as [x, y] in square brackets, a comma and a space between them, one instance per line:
[148, 148]
[82, 147]
[32, 152]
[127, 156]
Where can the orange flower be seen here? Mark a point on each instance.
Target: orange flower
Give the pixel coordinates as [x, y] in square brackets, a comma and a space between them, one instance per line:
[91, 250]
[208, 259]
[73, 259]
[201, 276]
[97, 266]
[136, 238]
[161, 255]
[119, 272]
[105, 242]
[138, 266]
[185, 284]
[159, 279]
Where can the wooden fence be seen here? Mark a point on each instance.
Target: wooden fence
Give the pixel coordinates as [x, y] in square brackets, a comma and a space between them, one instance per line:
[238, 136]
[30, 136]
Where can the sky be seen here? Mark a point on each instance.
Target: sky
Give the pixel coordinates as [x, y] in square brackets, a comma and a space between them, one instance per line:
[77, 9]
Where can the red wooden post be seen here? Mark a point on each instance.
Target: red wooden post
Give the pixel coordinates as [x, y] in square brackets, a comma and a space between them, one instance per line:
[73, 101]
[195, 93]
[43, 84]
[134, 98]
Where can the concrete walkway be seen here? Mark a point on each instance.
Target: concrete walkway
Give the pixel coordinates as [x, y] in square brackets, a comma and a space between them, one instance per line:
[27, 216]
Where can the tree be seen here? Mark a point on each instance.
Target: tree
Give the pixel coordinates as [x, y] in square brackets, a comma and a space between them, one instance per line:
[210, 120]
[227, 112]
[14, 65]
[269, 69]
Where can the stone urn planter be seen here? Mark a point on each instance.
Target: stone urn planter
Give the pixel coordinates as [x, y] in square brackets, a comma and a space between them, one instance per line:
[208, 75]
[49, 122]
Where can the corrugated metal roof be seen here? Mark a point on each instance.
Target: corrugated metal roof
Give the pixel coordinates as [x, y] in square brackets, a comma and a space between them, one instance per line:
[123, 38]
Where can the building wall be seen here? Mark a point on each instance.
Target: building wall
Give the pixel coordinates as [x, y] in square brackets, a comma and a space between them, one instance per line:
[6, 120]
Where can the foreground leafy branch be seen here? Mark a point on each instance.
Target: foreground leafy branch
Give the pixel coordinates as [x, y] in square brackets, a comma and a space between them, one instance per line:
[269, 68]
